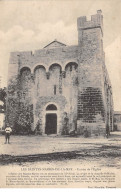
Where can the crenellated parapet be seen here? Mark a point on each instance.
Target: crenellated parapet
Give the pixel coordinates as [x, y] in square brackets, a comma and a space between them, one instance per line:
[95, 22]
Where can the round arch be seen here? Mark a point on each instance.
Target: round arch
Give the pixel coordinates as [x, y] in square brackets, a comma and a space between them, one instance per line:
[51, 103]
[39, 66]
[25, 68]
[55, 65]
[51, 107]
[69, 64]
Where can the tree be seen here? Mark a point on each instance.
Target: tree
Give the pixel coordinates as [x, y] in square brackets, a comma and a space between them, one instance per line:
[3, 94]
[3, 97]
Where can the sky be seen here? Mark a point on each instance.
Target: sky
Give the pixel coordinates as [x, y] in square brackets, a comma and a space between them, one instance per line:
[32, 24]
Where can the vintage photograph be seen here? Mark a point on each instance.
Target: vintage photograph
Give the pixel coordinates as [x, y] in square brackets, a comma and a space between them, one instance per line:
[60, 94]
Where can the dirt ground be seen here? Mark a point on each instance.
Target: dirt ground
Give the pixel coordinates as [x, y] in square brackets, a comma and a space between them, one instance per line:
[69, 155]
[107, 152]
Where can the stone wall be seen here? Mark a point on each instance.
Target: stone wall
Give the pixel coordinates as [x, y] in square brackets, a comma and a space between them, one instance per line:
[61, 90]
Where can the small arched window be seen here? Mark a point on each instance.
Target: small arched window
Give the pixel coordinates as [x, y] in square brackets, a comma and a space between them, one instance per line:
[51, 107]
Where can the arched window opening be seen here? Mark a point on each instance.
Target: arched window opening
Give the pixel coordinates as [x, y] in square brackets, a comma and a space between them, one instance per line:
[51, 107]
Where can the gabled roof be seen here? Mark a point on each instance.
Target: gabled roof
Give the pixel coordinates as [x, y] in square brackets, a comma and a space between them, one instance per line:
[55, 44]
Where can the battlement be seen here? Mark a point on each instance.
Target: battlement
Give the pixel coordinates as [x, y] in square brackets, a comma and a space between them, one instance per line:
[17, 55]
[95, 22]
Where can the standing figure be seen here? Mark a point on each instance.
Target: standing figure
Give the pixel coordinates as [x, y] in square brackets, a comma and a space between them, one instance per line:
[65, 124]
[8, 131]
[107, 131]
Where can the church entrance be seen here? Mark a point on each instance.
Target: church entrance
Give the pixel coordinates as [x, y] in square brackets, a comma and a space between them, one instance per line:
[51, 119]
[51, 124]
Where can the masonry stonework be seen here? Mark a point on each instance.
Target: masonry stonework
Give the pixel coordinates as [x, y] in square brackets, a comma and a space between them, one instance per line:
[62, 89]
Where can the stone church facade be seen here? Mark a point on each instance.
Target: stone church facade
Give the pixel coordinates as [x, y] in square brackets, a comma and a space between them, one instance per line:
[62, 89]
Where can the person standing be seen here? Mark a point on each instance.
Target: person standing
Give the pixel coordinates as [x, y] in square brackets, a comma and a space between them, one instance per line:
[107, 131]
[66, 123]
[8, 131]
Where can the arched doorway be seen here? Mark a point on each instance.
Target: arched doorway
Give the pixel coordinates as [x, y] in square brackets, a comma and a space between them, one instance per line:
[51, 119]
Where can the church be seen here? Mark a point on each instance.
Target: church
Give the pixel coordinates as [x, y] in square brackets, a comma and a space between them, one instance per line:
[61, 89]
